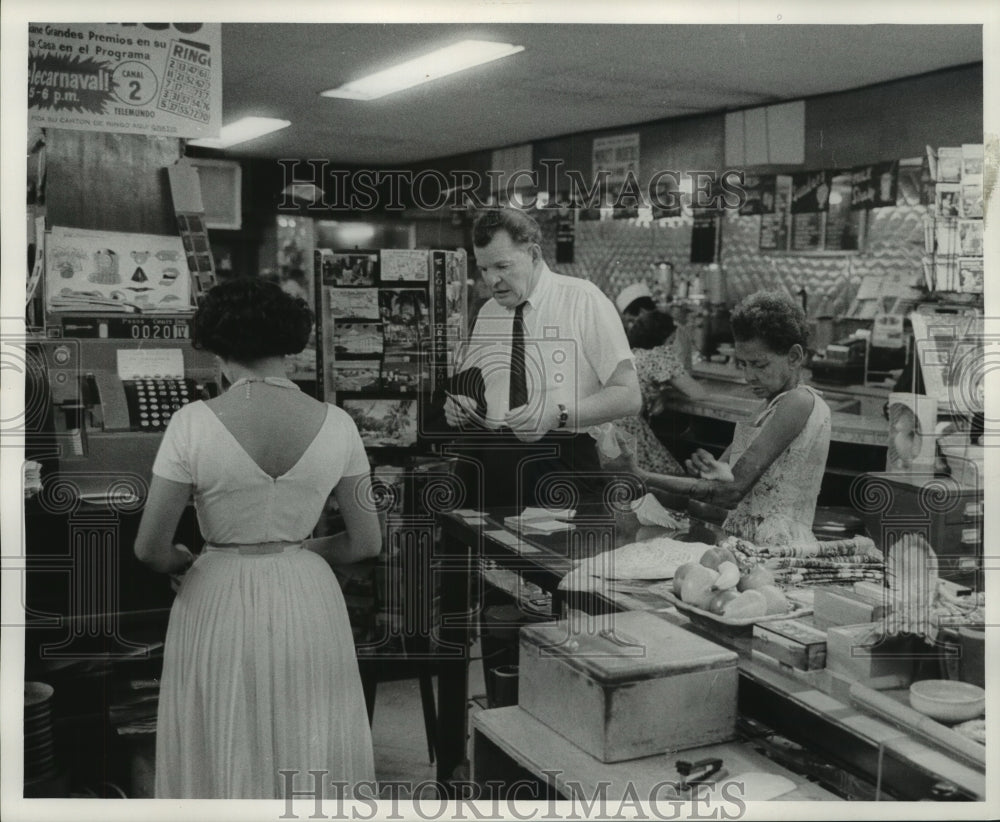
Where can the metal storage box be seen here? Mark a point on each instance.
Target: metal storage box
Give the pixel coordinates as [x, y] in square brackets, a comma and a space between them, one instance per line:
[643, 686]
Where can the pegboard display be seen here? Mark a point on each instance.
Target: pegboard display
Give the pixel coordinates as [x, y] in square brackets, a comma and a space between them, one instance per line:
[614, 253]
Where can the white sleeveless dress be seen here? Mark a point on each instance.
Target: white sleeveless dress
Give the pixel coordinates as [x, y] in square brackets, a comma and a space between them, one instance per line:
[780, 507]
[259, 670]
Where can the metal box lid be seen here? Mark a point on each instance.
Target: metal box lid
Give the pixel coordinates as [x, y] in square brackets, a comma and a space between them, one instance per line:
[627, 647]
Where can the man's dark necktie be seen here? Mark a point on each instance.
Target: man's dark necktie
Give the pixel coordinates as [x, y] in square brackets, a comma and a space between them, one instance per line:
[518, 377]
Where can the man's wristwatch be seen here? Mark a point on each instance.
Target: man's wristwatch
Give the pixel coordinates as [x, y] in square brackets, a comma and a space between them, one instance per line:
[563, 416]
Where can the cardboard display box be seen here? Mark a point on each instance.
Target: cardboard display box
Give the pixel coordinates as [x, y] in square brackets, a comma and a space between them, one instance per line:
[792, 641]
[841, 605]
[640, 687]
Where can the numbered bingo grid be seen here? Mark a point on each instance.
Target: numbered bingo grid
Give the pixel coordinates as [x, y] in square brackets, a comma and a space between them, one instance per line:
[187, 81]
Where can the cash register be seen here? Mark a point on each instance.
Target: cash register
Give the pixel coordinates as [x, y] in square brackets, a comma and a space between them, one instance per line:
[856, 361]
[97, 407]
[112, 394]
[104, 378]
[842, 363]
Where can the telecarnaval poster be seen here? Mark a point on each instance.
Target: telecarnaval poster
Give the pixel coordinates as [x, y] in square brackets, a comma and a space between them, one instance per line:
[160, 79]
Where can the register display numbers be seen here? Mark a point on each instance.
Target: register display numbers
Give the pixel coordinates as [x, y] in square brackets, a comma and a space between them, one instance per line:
[123, 328]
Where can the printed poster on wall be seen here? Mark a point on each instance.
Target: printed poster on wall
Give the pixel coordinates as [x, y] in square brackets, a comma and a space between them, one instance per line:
[759, 192]
[774, 227]
[843, 226]
[811, 191]
[160, 79]
[912, 176]
[618, 155]
[807, 231]
[89, 270]
[874, 186]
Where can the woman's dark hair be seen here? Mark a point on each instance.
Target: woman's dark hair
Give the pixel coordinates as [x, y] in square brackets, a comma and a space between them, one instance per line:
[771, 317]
[640, 304]
[651, 329]
[521, 228]
[247, 319]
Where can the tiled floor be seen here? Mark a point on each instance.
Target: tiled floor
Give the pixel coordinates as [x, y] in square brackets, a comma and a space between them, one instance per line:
[398, 728]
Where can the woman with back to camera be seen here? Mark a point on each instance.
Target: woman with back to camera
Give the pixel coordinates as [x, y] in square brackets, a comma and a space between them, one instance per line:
[259, 671]
[658, 368]
[770, 476]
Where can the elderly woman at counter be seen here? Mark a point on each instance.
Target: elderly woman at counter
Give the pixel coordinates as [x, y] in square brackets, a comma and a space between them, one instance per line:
[769, 477]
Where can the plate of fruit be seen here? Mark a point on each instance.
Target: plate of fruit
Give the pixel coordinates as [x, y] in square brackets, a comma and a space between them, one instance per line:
[715, 591]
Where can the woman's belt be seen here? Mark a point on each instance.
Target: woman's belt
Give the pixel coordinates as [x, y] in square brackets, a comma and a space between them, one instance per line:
[252, 548]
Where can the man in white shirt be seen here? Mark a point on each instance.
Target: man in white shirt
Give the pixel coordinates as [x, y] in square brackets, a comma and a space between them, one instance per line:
[575, 372]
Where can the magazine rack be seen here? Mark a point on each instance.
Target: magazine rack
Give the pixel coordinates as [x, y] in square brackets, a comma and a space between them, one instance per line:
[388, 322]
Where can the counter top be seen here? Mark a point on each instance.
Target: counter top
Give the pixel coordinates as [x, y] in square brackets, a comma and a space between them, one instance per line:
[581, 778]
[726, 372]
[733, 402]
[841, 727]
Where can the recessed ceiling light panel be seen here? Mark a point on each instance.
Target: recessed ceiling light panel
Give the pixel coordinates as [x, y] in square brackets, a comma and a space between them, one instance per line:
[248, 128]
[449, 60]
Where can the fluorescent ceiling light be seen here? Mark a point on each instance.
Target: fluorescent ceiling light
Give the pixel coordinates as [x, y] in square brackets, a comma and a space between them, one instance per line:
[440, 63]
[249, 128]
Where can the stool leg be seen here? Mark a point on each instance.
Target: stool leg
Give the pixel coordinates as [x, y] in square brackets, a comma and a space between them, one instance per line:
[430, 716]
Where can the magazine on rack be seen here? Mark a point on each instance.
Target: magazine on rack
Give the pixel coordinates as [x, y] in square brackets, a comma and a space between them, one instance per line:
[403, 265]
[384, 423]
[405, 317]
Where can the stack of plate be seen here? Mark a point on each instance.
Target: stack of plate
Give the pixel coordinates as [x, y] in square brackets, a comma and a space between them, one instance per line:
[39, 744]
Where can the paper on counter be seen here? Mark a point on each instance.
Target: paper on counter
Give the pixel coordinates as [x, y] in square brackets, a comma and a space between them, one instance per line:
[472, 516]
[547, 513]
[757, 786]
[547, 526]
[513, 541]
[536, 517]
[651, 512]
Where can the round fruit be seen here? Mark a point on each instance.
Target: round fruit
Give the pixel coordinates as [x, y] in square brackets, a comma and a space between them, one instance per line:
[715, 556]
[719, 601]
[756, 578]
[679, 575]
[747, 605]
[696, 589]
[729, 576]
[777, 602]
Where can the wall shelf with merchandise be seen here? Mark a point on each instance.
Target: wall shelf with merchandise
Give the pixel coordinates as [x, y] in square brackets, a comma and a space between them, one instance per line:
[953, 229]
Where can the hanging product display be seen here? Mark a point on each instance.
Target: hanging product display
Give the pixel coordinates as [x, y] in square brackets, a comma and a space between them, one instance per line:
[388, 324]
